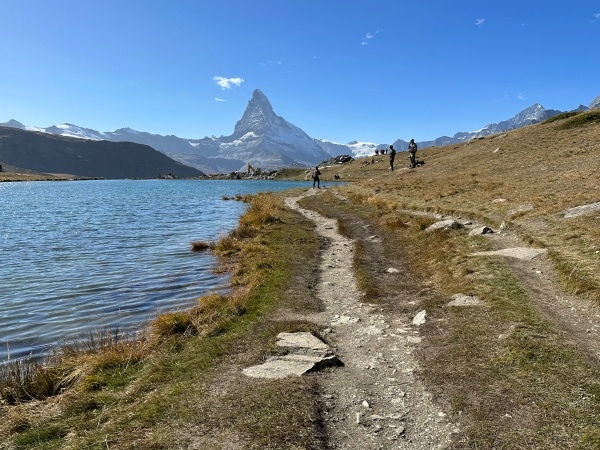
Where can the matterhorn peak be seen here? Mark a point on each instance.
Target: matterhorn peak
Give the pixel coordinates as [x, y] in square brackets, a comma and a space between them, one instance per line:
[258, 116]
[259, 98]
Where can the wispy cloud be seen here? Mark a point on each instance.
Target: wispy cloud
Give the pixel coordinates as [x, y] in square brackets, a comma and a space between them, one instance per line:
[479, 22]
[596, 16]
[217, 99]
[271, 63]
[521, 96]
[228, 83]
[367, 38]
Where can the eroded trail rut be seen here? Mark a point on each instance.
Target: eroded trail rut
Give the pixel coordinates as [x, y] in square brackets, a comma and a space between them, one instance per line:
[375, 401]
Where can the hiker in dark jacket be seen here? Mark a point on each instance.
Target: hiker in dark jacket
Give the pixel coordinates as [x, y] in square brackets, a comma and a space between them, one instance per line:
[315, 176]
[412, 152]
[392, 157]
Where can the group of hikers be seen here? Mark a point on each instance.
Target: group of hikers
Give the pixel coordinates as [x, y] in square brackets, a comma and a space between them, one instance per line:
[412, 154]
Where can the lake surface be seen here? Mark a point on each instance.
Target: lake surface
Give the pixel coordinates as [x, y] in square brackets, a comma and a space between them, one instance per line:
[78, 256]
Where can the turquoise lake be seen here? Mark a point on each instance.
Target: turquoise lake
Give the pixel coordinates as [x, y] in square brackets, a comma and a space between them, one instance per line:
[78, 256]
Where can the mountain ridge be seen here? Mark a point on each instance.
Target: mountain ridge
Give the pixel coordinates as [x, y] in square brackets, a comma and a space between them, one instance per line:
[263, 139]
[52, 153]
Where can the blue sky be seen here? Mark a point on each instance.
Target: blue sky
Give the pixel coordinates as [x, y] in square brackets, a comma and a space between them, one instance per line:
[341, 70]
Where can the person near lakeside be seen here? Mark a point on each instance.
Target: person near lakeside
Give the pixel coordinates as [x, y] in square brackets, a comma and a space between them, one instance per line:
[315, 176]
[392, 157]
[412, 152]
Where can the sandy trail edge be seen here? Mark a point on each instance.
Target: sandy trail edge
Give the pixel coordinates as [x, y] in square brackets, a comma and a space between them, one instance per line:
[376, 400]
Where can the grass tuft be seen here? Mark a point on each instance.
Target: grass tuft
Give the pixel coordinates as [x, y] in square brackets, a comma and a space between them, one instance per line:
[199, 246]
[173, 323]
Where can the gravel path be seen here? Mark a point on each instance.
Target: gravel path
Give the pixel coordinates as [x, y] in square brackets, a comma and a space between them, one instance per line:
[375, 401]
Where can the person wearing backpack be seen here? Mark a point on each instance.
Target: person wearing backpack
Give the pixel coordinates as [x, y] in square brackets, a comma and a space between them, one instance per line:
[392, 157]
[315, 176]
[412, 152]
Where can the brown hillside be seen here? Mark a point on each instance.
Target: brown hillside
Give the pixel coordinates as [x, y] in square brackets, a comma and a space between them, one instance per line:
[524, 179]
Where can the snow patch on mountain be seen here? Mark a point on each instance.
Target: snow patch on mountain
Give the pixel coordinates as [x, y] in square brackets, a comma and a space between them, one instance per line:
[355, 148]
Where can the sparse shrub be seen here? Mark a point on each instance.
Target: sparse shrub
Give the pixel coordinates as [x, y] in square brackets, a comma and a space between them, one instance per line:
[26, 380]
[172, 323]
[422, 222]
[247, 198]
[244, 232]
[227, 245]
[214, 311]
[394, 223]
[262, 211]
[378, 202]
[199, 246]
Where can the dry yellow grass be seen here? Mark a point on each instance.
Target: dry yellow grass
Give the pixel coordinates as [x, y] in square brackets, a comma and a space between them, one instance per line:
[524, 178]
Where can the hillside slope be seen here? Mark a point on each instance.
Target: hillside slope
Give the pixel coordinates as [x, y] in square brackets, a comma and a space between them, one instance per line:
[525, 179]
[58, 154]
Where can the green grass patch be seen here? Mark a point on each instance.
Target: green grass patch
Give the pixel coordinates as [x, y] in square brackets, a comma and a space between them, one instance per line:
[580, 120]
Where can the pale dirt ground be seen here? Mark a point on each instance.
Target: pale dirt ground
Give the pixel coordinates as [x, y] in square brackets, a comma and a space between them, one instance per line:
[377, 401]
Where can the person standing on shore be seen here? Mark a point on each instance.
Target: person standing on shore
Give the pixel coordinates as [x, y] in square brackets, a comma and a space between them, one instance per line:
[412, 152]
[392, 157]
[315, 176]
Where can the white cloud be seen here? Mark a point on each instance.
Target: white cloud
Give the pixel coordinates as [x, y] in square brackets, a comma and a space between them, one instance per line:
[521, 96]
[217, 99]
[369, 37]
[597, 16]
[479, 22]
[228, 83]
[271, 63]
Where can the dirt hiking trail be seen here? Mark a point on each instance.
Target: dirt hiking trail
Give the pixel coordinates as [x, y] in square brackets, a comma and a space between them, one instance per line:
[375, 401]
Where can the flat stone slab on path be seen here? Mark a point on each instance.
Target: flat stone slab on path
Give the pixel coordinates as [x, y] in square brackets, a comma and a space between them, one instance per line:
[307, 353]
[294, 365]
[302, 343]
[516, 252]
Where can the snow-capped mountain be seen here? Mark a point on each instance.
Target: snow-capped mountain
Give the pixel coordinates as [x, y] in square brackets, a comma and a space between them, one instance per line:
[260, 138]
[534, 114]
[263, 139]
[267, 141]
